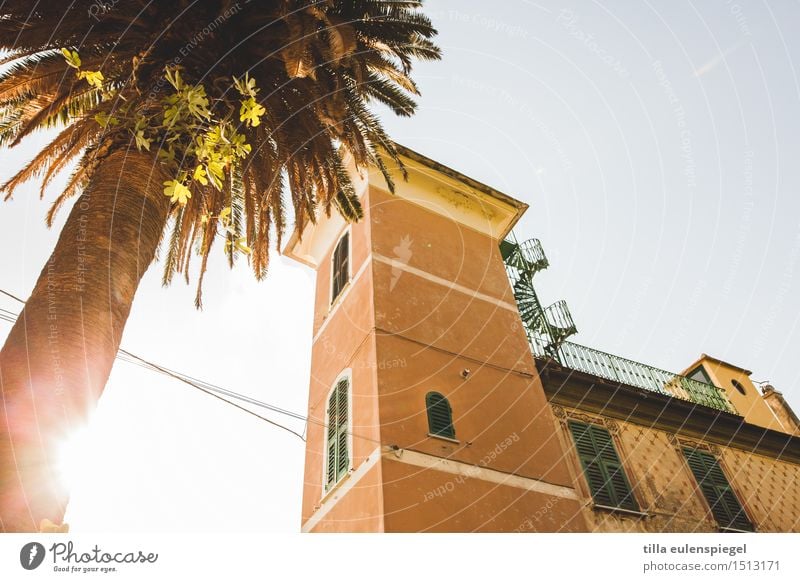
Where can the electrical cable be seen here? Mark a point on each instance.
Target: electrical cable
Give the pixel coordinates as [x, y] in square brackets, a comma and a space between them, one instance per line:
[129, 357]
[202, 385]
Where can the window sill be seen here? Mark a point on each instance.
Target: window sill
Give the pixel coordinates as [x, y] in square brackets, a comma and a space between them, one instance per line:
[444, 438]
[610, 509]
[339, 298]
[332, 490]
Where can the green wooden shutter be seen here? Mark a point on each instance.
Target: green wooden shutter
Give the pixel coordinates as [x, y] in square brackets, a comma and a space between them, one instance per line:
[338, 458]
[724, 504]
[341, 266]
[330, 474]
[343, 458]
[601, 466]
[440, 415]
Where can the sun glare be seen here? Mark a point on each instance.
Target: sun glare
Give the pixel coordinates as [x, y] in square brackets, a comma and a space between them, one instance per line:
[74, 457]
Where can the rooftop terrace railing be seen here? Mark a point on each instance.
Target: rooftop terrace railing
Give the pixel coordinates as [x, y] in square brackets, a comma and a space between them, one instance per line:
[618, 369]
[548, 327]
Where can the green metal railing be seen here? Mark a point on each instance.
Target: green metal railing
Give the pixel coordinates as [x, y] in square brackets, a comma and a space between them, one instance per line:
[560, 320]
[548, 327]
[545, 326]
[597, 363]
[526, 256]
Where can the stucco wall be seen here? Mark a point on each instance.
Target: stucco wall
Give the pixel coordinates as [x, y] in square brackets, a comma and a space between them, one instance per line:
[666, 490]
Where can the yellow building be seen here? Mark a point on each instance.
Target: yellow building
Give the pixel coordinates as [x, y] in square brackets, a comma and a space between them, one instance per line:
[445, 397]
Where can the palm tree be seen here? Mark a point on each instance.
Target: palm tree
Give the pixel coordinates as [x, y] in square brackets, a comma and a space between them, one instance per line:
[223, 106]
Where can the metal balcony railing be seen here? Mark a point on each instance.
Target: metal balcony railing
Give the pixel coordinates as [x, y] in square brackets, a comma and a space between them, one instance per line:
[533, 254]
[548, 327]
[560, 320]
[526, 257]
[597, 363]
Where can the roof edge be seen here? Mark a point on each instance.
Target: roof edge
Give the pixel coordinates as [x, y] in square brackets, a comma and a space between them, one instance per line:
[519, 206]
[458, 176]
[706, 357]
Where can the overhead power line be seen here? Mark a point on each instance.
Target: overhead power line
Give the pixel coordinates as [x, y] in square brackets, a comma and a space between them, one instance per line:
[202, 385]
[212, 392]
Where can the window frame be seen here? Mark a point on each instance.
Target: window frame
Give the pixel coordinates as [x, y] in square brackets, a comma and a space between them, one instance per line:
[702, 370]
[699, 487]
[345, 375]
[634, 507]
[334, 300]
[452, 435]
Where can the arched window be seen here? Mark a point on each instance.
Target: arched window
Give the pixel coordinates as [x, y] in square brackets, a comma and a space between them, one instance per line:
[738, 386]
[440, 415]
[337, 456]
[340, 266]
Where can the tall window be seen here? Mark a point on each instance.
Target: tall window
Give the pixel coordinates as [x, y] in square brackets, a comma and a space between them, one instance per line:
[601, 466]
[724, 504]
[340, 268]
[337, 459]
[440, 415]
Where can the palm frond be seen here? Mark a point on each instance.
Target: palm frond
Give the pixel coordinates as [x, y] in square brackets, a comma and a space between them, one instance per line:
[319, 65]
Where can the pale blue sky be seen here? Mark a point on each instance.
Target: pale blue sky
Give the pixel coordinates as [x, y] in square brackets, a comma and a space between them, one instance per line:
[657, 145]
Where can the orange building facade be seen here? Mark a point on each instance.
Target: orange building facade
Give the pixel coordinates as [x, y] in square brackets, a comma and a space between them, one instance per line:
[434, 405]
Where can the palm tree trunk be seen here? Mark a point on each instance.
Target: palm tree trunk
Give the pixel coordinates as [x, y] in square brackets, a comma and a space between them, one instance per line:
[58, 356]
